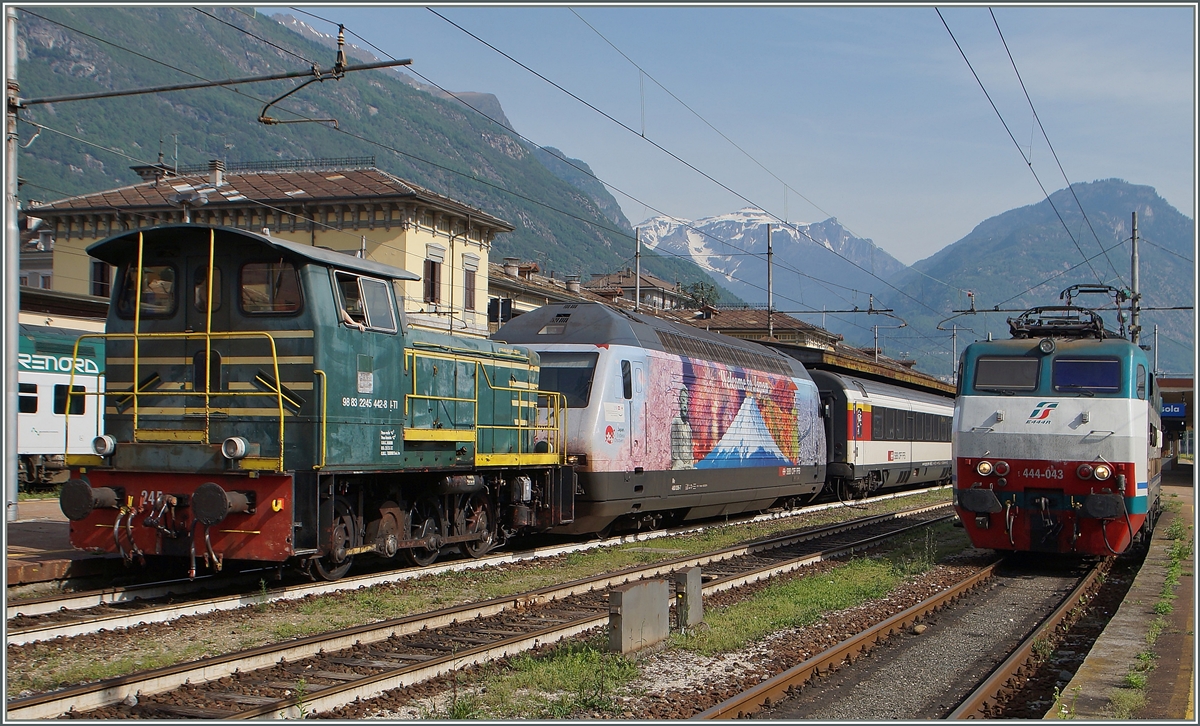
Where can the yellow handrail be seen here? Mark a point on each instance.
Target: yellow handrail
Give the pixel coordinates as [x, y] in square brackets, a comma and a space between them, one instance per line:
[554, 428]
[207, 393]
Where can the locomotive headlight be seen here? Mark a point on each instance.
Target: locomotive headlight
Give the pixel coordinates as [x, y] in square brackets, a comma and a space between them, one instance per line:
[1084, 471]
[1102, 472]
[1001, 468]
[1046, 346]
[984, 468]
[104, 445]
[234, 447]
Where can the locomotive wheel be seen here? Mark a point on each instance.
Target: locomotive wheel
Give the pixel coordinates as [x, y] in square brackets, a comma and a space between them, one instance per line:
[334, 564]
[477, 519]
[425, 522]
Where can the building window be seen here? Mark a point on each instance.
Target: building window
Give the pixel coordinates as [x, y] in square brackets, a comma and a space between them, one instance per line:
[435, 256]
[101, 278]
[470, 265]
[433, 281]
[469, 287]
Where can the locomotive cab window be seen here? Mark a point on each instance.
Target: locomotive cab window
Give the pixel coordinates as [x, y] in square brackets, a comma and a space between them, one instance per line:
[569, 374]
[200, 290]
[157, 291]
[365, 300]
[1006, 374]
[269, 288]
[1087, 375]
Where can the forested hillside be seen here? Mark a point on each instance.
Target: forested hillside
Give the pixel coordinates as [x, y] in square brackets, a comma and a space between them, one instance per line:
[563, 217]
[1025, 257]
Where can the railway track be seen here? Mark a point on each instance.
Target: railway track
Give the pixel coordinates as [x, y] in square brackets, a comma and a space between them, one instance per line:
[987, 700]
[997, 690]
[73, 614]
[320, 673]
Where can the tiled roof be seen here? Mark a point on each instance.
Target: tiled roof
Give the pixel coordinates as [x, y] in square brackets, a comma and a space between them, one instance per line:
[627, 278]
[752, 319]
[538, 285]
[361, 185]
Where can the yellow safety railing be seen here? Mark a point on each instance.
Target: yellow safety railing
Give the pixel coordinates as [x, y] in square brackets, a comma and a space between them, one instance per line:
[546, 425]
[135, 393]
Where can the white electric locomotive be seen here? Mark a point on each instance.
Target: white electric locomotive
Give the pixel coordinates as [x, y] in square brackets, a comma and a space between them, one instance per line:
[668, 422]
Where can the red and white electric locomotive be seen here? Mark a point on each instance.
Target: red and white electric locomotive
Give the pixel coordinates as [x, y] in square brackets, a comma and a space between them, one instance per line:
[1057, 437]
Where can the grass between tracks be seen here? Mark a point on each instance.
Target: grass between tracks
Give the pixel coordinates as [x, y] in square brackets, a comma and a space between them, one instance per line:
[582, 679]
[46, 666]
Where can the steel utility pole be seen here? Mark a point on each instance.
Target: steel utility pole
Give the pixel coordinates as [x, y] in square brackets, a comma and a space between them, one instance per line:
[770, 287]
[954, 354]
[10, 280]
[637, 284]
[1156, 349]
[1135, 298]
[12, 266]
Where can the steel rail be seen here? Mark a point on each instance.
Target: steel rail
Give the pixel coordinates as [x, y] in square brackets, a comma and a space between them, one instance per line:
[156, 614]
[339, 695]
[777, 688]
[991, 695]
[95, 695]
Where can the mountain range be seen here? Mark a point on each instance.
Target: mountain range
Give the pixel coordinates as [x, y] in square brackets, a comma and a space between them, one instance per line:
[1018, 259]
[815, 265]
[462, 145]
[459, 145]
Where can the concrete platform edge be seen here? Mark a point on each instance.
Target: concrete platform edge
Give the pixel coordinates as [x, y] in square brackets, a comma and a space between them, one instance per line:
[1170, 691]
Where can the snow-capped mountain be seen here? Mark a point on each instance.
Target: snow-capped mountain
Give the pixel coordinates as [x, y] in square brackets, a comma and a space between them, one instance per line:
[814, 263]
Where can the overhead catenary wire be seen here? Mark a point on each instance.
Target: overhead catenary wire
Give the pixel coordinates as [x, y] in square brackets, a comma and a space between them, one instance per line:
[684, 223]
[1054, 153]
[733, 143]
[680, 256]
[823, 283]
[1028, 162]
[676, 157]
[718, 272]
[256, 37]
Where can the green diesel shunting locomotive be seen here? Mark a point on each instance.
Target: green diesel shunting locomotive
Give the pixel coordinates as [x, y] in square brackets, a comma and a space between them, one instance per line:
[284, 411]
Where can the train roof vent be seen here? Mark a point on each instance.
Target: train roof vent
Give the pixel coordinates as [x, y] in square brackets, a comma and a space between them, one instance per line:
[1059, 321]
[557, 326]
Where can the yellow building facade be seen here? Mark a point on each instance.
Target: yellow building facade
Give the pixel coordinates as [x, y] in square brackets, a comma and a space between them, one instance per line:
[349, 207]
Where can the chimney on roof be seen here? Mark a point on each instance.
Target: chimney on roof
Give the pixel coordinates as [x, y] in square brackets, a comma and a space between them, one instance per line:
[573, 283]
[512, 266]
[151, 172]
[216, 172]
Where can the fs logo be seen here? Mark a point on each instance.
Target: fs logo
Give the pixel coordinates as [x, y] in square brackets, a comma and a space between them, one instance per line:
[1041, 412]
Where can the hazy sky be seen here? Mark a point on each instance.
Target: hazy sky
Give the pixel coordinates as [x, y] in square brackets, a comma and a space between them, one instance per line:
[867, 114]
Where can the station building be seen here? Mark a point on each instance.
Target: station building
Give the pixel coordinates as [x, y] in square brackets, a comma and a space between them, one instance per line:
[348, 205]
